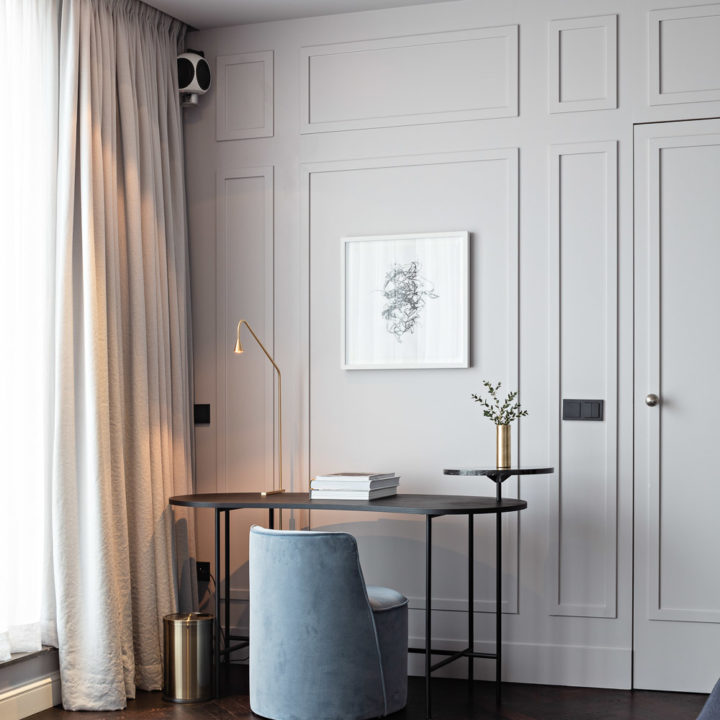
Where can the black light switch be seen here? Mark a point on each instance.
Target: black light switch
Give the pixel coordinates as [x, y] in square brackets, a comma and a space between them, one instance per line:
[583, 409]
[202, 414]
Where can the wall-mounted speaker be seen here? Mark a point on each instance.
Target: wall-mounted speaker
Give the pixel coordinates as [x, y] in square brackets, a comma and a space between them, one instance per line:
[193, 76]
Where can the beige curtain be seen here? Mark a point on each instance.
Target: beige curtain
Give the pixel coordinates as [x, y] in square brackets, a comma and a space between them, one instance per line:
[122, 431]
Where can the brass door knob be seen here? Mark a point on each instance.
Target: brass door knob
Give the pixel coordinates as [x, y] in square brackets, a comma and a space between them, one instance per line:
[652, 400]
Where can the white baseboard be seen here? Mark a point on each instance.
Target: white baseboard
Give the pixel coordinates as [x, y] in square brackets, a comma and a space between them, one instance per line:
[26, 700]
[536, 664]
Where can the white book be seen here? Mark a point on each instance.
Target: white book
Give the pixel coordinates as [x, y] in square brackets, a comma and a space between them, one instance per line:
[355, 476]
[352, 494]
[335, 484]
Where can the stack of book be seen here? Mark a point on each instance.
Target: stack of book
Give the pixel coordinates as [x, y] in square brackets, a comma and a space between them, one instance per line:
[354, 486]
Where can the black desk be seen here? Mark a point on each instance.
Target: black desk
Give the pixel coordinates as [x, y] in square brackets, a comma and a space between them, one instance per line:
[431, 506]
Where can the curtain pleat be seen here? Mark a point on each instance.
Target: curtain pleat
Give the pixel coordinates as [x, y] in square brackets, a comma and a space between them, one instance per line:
[122, 441]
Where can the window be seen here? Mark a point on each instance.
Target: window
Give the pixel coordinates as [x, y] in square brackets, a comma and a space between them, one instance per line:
[28, 157]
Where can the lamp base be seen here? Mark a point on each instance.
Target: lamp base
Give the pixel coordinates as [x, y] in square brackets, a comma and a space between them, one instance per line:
[272, 492]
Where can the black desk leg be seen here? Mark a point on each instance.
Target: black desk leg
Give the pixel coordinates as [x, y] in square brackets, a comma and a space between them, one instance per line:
[428, 610]
[216, 649]
[271, 519]
[498, 606]
[471, 595]
[227, 589]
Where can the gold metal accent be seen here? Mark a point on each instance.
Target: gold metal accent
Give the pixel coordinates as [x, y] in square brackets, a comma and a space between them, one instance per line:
[503, 446]
[239, 351]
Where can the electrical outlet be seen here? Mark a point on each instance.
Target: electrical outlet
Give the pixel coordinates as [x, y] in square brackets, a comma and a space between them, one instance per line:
[203, 571]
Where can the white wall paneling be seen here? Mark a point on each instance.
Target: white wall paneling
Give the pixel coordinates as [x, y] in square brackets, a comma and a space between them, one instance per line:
[245, 384]
[440, 77]
[582, 64]
[245, 96]
[583, 245]
[423, 119]
[685, 55]
[407, 194]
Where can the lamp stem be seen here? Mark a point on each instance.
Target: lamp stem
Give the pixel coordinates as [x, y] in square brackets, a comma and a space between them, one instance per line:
[279, 376]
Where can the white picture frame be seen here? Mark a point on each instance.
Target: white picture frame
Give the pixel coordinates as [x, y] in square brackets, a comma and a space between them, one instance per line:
[405, 301]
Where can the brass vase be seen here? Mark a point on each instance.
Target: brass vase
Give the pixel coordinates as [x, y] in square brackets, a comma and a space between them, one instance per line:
[503, 446]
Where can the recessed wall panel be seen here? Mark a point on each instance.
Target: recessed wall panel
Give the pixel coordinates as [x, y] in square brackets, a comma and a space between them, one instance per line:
[582, 64]
[245, 96]
[583, 237]
[685, 55]
[687, 214]
[441, 77]
[245, 394]
[378, 418]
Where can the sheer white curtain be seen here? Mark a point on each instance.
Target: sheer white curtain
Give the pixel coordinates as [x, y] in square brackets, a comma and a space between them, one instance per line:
[121, 443]
[28, 136]
[95, 428]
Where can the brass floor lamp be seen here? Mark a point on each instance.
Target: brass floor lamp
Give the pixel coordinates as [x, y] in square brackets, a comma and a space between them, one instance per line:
[239, 351]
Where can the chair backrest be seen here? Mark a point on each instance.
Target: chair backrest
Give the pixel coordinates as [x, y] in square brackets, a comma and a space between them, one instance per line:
[313, 643]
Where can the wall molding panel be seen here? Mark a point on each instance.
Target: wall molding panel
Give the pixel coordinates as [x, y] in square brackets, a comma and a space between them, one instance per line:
[583, 331]
[684, 55]
[411, 80]
[509, 157]
[245, 96]
[245, 232]
[582, 64]
[664, 567]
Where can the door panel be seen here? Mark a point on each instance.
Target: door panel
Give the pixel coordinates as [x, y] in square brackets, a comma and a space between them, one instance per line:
[677, 346]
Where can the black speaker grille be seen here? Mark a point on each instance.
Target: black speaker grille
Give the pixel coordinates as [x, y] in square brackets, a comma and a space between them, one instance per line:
[186, 72]
[203, 74]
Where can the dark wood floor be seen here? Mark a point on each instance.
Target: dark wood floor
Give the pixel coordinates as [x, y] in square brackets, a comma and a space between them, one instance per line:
[452, 700]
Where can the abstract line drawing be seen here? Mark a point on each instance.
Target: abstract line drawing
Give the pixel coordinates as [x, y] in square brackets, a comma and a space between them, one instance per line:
[406, 293]
[405, 301]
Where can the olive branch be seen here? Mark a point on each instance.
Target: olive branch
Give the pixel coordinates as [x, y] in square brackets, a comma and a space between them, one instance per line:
[500, 412]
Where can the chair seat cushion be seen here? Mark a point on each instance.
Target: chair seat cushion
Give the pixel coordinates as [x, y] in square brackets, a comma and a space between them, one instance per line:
[382, 598]
[390, 611]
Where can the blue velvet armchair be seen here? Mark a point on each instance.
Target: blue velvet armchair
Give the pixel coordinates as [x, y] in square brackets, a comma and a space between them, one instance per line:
[711, 710]
[323, 646]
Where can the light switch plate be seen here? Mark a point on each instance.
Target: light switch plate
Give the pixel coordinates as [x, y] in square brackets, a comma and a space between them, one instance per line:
[583, 410]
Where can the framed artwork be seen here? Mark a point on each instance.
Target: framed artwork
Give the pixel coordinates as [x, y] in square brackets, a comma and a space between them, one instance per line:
[405, 301]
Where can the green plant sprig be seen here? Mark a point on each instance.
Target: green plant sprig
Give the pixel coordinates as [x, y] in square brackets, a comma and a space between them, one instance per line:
[500, 412]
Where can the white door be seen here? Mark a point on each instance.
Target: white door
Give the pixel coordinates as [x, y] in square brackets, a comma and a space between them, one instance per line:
[677, 440]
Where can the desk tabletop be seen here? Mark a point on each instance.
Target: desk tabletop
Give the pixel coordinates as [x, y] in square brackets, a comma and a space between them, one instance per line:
[401, 503]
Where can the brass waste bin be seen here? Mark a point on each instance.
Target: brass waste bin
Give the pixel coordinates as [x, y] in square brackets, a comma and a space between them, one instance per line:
[188, 639]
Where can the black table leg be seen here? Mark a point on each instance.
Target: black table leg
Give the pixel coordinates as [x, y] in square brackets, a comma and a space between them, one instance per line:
[271, 519]
[471, 595]
[217, 603]
[498, 606]
[428, 610]
[227, 588]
